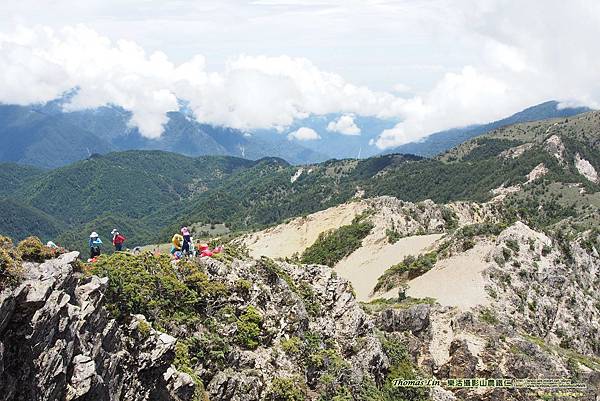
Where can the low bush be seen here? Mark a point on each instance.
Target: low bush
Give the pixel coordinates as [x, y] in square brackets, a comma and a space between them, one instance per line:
[286, 389]
[333, 246]
[409, 268]
[208, 347]
[292, 346]
[393, 236]
[10, 269]
[248, 328]
[32, 250]
[153, 286]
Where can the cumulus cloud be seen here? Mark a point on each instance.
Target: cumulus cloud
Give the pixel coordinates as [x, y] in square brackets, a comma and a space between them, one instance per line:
[526, 58]
[505, 56]
[251, 92]
[344, 125]
[457, 100]
[304, 134]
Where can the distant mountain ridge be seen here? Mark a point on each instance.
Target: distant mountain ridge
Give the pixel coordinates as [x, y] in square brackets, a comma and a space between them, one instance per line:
[440, 142]
[46, 136]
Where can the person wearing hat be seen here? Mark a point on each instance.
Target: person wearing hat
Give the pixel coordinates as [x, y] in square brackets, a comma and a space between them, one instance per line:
[187, 240]
[117, 240]
[95, 244]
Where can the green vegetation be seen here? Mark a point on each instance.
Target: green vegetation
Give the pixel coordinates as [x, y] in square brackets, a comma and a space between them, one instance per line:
[292, 345]
[152, 286]
[183, 363]
[20, 220]
[148, 194]
[208, 347]
[393, 236]
[15, 176]
[248, 328]
[333, 246]
[450, 218]
[490, 147]
[311, 303]
[408, 269]
[144, 329]
[592, 240]
[286, 389]
[243, 286]
[480, 229]
[32, 249]
[463, 238]
[591, 362]
[10, 264]
[11, 258]
[488, 316]
[379, 304]
[402, 367]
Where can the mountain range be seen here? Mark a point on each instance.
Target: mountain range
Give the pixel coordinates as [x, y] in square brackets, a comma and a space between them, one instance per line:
[149, 193]
[335, 279]
[48, 136]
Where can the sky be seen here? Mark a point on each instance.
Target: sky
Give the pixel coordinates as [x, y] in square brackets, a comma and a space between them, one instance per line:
[430, 64]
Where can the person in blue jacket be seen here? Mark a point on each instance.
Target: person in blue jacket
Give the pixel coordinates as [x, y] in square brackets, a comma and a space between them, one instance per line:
[95, 244]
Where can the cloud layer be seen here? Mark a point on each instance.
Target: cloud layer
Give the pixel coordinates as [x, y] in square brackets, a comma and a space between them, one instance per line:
[252, 92]
[510, 55]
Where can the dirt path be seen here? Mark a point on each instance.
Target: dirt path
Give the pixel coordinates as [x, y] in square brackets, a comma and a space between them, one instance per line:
[364, 266]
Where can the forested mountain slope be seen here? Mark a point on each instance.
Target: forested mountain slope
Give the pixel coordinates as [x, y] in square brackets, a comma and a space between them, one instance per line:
[153, 192]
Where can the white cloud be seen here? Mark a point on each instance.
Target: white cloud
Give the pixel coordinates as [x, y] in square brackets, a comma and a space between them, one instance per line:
[466, 62]
[527, 58]
[304, 134]
[344, 125]
[251, 92]
[402, 88]
[457, 100]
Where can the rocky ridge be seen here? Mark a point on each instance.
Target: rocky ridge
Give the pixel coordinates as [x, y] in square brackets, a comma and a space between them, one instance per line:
[58, 342]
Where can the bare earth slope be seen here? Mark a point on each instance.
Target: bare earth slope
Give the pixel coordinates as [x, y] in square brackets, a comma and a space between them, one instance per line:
[456, 281]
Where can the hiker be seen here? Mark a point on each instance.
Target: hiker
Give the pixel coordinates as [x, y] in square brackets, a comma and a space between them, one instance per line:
[95, 244]
[187, 240]
[176, 243]
[118, 240]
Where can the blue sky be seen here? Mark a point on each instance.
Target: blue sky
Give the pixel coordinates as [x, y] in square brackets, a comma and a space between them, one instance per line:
[254, 64]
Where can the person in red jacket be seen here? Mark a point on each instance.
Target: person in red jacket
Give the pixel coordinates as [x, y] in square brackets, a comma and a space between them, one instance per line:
[118, 240]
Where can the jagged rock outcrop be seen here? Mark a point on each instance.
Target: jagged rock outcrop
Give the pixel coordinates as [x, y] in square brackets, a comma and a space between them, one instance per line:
[57, 342]
[454, 344]
[546, 286]
[542, 321]
[291, 309]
